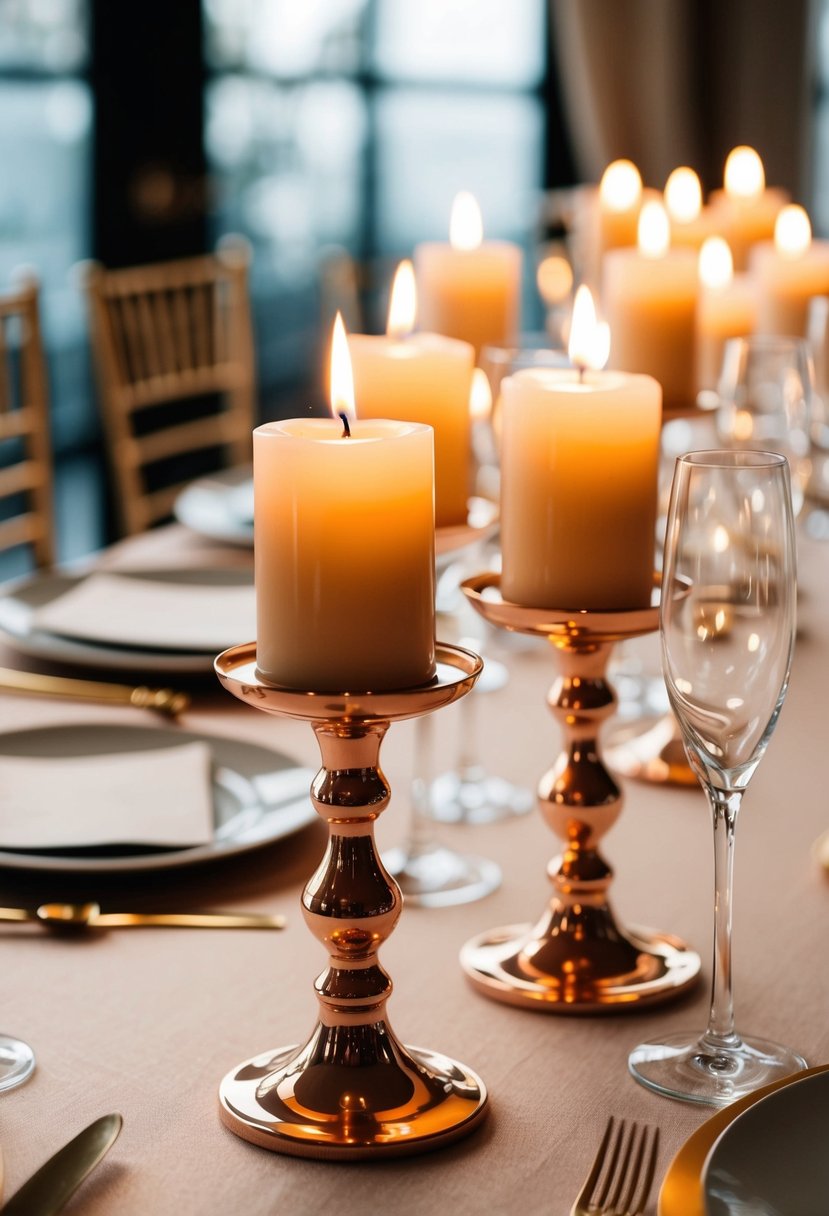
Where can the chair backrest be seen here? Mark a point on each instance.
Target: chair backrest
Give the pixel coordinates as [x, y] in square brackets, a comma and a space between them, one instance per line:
[173, 350]
[26, 512]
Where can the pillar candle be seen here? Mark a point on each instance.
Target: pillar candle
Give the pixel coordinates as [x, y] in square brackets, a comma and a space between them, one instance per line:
[469, 289]
[745, 210]
[649, 297]
[606, 217]
[726, 308]
[690, 221]
[344, 554]
[422, 378]
[787, 273]
[579, 463]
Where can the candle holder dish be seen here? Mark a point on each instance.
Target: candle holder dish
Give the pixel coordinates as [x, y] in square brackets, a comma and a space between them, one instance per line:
[576, 958]
[352, 1091]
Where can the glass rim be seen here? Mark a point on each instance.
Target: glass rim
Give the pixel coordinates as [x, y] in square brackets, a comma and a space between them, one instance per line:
[727, 458]
[769, 342]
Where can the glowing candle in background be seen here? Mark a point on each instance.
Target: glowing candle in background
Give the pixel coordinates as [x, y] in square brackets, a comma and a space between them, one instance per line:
[745, 210]
[787, 273]
[649, 297]
[471, 288]
[726, 309]
[426, 378]
[620, 201]
[690, 222]
[344, 547]
[579, 460]
[485, 426]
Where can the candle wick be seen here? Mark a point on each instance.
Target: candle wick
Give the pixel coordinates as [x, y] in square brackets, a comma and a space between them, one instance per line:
[346, 428]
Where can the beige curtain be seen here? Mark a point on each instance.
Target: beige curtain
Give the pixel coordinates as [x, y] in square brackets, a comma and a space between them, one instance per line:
[670, 82]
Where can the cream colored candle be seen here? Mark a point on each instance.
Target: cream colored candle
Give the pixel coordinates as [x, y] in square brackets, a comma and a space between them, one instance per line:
[471, 288]
[421, 378]
[579, 461]
[745, 210]
[344, 553]
[606, 217]
[690, 221]
[726, 308]
[649, 297]
[787, 273]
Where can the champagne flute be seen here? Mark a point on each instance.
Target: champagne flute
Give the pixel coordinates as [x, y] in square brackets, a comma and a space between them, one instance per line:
[765, 395]
[727, 627]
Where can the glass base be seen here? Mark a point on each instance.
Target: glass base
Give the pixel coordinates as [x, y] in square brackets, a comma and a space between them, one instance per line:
[685, 1066]
[17, 1062]
[437, 877]
[476, 798]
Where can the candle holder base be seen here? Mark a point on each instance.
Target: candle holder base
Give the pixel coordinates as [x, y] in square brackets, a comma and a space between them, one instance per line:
[547, 967]
[309, 1102]
[353, 1091]
[576, 959]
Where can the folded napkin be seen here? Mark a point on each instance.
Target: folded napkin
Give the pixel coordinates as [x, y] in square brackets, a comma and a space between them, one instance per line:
[157, 797]
[129, 611]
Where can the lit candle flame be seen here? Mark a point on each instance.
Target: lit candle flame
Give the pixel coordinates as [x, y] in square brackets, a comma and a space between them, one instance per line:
[792, 232]
[341, 379]
[654, 231]
[716, 265]
[744, 176]
[554, 278]
[466, 228]
[480, 396]
[621, 186]
[683, 195]
[589, 344]
[403, 303]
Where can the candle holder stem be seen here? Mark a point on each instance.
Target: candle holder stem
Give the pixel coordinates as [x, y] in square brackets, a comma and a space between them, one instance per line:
[577, 957]
[352, 1090]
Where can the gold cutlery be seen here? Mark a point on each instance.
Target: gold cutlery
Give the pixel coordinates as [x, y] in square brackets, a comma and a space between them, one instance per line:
[56, 1181]
[621, 1175]
[90, 916]
[164, 700]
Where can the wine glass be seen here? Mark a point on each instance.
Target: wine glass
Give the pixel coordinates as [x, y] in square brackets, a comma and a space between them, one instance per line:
[727, 627]
[17, 1061]
[765, 400]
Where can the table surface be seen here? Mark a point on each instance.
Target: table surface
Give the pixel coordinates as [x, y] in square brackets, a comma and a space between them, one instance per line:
[147, 1022]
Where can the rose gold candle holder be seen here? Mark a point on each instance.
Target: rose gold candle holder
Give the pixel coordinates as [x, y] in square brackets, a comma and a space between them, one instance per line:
[577, 958]
[352, 1091]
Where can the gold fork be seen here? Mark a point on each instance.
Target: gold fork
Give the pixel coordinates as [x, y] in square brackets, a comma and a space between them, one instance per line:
[622, 1173]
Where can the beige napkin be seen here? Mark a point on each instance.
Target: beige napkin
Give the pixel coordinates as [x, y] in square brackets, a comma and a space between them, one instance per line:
[160, 797]
[114, 609]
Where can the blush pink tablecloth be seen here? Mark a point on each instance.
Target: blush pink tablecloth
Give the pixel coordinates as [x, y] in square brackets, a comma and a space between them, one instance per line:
[147, 1022]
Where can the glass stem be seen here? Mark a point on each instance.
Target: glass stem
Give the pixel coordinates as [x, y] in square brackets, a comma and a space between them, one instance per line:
[420, 829]
[470, 769]
[721, 1033]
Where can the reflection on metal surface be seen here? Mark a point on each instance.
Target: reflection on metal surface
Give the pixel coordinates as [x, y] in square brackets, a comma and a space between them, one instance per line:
[352, 1091]
[577, 958]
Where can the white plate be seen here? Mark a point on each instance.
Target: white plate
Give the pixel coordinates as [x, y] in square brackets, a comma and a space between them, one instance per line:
[773, 1159]
[21, 599]
[219, 506]
[259, 795]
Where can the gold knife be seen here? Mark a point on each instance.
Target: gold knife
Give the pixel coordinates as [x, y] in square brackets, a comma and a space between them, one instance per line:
[164, 700]
[56, 1181]
[90, 916]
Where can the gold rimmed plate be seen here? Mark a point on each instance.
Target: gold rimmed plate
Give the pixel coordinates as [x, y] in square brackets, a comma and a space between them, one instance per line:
[683, 1191]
